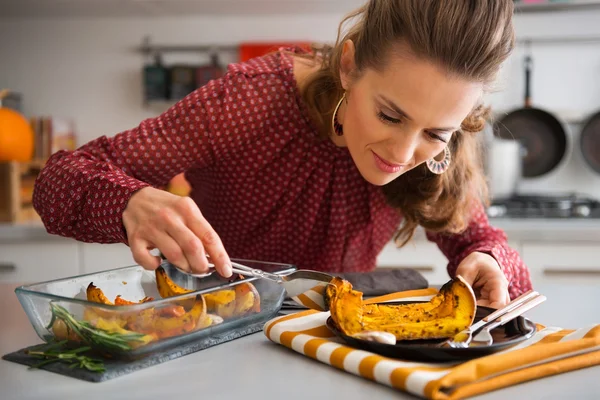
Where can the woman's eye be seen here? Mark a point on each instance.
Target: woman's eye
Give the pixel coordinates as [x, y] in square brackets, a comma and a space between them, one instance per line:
[436, 137]
[386, 118]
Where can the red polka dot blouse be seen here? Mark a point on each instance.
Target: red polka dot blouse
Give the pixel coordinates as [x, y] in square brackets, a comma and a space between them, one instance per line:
[259, 173]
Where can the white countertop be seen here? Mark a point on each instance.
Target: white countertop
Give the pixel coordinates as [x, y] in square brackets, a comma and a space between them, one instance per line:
[254, 368]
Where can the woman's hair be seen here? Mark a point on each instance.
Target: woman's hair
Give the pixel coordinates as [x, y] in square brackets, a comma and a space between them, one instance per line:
[467, 38]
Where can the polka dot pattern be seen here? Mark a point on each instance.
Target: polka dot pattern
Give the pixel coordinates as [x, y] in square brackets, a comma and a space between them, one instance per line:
[269, 186]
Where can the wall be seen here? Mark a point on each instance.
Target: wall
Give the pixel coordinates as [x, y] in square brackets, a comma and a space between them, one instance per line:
[87, 69]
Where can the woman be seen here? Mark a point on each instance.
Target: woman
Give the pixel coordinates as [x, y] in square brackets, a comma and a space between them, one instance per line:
[316, 159]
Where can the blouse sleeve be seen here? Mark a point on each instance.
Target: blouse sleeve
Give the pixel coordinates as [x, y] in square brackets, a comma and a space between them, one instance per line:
[480, 236]
[82, 194]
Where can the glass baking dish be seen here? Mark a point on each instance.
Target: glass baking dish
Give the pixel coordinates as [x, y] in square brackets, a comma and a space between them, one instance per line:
[141, 318]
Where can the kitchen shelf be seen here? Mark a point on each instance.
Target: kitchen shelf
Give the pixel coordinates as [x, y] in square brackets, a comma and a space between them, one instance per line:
[554, 6]
[148, 48]
[580, 39]
[16, 189]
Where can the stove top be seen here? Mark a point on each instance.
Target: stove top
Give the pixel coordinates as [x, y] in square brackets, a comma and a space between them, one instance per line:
[545, 206]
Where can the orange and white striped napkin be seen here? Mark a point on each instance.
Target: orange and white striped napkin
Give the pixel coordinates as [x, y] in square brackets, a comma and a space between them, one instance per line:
[550, 351]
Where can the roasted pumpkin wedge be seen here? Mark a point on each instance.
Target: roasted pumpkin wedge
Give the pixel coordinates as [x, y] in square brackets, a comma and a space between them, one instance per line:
[119, 301]
[451, 310]
[167, 326]
[227, 303]
[96, 295]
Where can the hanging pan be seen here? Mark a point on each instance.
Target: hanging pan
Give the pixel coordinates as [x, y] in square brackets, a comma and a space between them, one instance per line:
[542, 135]
[589, 142]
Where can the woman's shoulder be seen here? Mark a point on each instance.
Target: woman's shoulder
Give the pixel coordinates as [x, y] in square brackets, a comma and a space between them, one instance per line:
[277, 63]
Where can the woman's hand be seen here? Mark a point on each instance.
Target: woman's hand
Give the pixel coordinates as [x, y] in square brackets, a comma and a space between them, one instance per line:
[156, 219]
[486, 278]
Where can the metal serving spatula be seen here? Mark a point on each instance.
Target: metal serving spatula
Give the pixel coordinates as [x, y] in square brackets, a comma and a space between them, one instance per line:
[305, 287]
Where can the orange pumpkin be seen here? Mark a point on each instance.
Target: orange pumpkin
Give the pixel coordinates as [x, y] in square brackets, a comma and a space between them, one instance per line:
[16, 136]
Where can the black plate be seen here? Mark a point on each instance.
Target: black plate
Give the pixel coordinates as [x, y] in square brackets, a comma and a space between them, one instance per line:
[506, 336]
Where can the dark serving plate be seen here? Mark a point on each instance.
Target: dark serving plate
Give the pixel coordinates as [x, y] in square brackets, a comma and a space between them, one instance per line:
[506, 336]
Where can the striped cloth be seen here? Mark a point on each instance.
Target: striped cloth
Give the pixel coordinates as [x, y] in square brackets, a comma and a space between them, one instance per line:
[550, 351]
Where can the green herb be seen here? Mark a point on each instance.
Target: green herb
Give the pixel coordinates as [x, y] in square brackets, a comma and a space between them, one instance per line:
[54, 353]
[109, 341]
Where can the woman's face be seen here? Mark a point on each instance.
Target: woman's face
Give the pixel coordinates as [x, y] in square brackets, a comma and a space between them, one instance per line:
[397, 119]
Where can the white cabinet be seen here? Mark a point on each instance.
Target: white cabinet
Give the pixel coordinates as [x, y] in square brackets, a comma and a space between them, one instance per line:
[39, 260]
[100, 257]
[420, 255]
[562, 263]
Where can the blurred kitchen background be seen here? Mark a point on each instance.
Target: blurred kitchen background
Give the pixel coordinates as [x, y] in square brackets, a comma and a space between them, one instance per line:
[78, 69]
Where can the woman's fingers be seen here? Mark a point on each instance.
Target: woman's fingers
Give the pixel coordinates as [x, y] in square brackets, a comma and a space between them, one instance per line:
[175, 225]
[211, 242]
[214, 248]
[140, 250]
[191, 246]
[172, 251]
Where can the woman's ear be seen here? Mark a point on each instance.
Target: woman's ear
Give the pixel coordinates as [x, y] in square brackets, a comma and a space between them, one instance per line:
[347, 64]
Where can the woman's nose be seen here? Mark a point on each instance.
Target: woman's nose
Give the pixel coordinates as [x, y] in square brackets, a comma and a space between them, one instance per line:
[404, 148]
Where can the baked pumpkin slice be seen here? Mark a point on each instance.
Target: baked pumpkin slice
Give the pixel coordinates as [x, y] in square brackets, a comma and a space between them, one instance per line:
[450, 311]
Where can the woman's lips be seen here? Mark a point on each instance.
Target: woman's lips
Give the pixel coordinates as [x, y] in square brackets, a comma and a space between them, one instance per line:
[387, 166]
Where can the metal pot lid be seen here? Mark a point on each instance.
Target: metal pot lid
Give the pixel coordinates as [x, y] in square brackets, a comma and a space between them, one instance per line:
[590, 142]
[541, 135]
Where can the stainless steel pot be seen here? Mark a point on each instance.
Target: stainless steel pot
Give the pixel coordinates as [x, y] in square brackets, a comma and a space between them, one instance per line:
[504, 167]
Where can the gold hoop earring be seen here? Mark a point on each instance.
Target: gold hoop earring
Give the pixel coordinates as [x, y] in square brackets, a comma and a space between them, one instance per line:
[335, 125]
[439, 167]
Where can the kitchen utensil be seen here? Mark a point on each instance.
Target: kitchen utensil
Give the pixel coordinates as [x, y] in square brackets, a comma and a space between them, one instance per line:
[134, 283]
[589, 142]
[305, 287]
[182, 81]
[484, 336]
[156, 80]
[543, 136]
[505, 167]
[506, 336]
[463, 338]
[207, 73]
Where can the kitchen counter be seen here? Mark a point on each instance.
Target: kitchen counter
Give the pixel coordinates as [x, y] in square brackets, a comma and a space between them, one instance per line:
[549, 230]
[544, 230]
[254, 368]
[24, 232]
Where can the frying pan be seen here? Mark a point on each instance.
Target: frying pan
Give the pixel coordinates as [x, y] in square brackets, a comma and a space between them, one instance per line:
[541, 134]
[589, 142]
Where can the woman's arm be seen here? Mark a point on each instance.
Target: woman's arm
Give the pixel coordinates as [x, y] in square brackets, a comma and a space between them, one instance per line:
[91, 194]
[82, 194]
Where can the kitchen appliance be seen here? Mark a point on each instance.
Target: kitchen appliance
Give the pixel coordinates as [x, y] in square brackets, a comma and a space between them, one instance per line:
[590, 142]
[545, 206]
[542, 134]
[504, 167]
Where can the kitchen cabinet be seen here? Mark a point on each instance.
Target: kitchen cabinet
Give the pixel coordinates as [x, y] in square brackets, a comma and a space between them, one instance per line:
[40, 260]
[100, 257]
[572, 263]
[420, 255]
[554, 253]
[423, 256]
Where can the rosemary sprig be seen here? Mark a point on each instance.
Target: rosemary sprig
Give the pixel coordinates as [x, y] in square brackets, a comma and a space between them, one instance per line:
[109, 341]
[54, 353]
